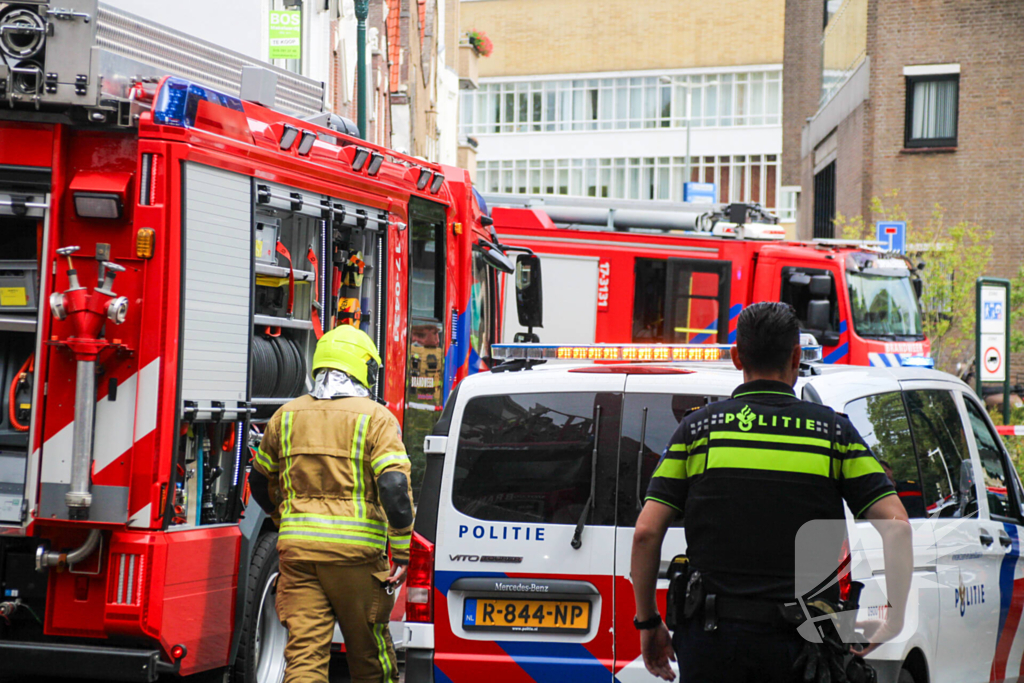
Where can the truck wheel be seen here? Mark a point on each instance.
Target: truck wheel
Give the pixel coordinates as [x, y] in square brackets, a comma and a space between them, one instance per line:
[261, 652]
[905, 677]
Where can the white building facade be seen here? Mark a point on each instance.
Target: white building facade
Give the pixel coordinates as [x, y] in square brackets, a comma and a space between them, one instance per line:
[631, 135]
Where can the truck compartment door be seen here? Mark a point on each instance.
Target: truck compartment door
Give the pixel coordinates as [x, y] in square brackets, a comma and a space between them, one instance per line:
[697, 301]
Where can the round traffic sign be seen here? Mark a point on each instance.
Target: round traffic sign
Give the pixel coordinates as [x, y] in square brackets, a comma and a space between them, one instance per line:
[993, 360]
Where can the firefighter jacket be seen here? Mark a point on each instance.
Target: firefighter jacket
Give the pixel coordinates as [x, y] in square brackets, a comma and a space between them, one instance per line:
[323, 460]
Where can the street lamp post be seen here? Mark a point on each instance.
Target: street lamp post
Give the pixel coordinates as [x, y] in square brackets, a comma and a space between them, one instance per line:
[362, 12]
[689, 118]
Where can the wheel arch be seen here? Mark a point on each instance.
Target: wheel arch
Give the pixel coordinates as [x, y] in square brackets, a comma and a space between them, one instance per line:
[254, 523]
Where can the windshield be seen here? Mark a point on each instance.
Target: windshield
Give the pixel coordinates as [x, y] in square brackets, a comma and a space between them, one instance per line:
[884, 306]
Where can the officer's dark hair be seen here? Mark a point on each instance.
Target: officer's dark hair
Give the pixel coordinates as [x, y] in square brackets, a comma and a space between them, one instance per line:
[766, 334]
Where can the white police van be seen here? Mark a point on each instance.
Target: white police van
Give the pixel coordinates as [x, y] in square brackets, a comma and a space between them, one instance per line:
[521, 554]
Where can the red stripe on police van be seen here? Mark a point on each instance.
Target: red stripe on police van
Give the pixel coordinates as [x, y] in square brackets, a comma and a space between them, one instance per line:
[1008, 633]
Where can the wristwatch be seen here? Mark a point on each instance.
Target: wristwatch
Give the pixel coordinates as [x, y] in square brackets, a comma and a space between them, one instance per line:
[647, 624]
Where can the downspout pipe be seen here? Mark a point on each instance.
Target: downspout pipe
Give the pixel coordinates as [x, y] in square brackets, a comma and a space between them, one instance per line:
[51, 558]
[362, 12]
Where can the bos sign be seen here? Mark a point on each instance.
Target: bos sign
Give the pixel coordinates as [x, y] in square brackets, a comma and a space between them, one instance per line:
[285, 34]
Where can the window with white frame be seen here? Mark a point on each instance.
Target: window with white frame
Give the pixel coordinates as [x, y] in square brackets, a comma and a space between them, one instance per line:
[789, 200]
[933, 95]
[737, 178]
[706, 100]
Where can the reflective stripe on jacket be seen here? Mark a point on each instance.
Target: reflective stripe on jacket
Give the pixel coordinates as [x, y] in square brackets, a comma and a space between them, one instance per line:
[325, 457]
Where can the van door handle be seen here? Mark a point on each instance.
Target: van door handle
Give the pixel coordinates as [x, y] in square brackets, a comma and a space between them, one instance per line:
[985, 537]
[1004, 539]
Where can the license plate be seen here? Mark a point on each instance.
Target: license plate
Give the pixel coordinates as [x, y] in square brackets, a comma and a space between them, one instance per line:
[526, 616]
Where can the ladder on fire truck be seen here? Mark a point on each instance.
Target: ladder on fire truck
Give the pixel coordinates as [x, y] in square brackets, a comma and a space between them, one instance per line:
[699, 220]
[108, 53]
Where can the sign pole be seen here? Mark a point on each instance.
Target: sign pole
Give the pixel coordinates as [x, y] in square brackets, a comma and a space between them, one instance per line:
[992, 335]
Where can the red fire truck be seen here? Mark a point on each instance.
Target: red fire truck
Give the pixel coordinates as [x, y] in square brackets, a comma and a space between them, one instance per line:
[683, 274]
[171, 253]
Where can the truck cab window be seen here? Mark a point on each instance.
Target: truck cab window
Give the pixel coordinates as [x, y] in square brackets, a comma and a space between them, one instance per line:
[812, 293]
[482, 297]
[425, 370]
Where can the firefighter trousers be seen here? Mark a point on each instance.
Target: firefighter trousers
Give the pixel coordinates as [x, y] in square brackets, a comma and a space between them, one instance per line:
[311, 596]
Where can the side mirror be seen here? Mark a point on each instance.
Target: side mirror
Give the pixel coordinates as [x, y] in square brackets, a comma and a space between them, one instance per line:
[529, 297]
[818, 314]
[496, 258]
[918, 286]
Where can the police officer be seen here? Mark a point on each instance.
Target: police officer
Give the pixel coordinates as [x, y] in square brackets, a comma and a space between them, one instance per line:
[746, 474]
[332, 466]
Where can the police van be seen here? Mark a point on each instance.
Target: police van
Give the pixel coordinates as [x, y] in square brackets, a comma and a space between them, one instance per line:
[536, 474]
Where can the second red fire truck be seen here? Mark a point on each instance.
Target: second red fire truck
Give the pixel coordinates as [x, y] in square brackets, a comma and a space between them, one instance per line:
[637, 275]
[173, 244]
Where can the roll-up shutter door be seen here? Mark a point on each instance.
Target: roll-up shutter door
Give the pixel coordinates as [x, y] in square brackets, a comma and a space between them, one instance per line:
[218, 277]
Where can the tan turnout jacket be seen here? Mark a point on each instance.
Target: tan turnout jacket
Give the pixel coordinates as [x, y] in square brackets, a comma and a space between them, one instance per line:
[323, 458]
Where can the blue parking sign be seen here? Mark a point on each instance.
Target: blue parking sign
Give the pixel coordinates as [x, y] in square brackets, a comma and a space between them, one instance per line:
[894, 235]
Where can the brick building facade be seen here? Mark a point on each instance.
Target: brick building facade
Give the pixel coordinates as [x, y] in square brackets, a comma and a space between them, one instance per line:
[959, 143]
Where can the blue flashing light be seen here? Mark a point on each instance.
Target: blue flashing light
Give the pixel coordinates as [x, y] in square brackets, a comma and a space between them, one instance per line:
[918, 362]
[178, 102]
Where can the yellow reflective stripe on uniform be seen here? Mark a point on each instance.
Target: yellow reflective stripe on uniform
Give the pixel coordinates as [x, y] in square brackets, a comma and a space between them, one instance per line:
[359, 526]
[356, 455]
[767, 459]
[368, 535]
[850, 448]
[335, 519]
[773, 438]
[382, 461]
[859, 467]
[263, 458]
[327, 537]
[382, 651]
[286, 455]
[679, 468]
[688, 447]
[400, 542]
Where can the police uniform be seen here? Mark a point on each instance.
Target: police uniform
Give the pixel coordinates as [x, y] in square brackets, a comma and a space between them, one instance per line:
[746, 474]
[344, 498]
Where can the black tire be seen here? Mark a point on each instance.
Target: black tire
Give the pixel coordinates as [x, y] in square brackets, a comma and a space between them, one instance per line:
[255, 646]
[905, 677]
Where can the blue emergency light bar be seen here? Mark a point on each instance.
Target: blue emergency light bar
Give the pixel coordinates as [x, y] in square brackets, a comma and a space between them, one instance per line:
[631, 353]
[178, 102]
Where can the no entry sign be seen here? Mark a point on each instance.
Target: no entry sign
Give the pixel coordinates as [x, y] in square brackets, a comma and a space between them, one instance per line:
[993, 336]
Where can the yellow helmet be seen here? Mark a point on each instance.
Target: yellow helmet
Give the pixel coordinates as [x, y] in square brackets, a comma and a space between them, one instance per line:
[350, 350]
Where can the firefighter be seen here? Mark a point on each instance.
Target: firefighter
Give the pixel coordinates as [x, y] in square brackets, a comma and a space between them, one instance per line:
[747, 474]
[333, 470]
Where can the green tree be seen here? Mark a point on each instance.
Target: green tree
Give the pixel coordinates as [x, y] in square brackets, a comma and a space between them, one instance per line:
[955, 256]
